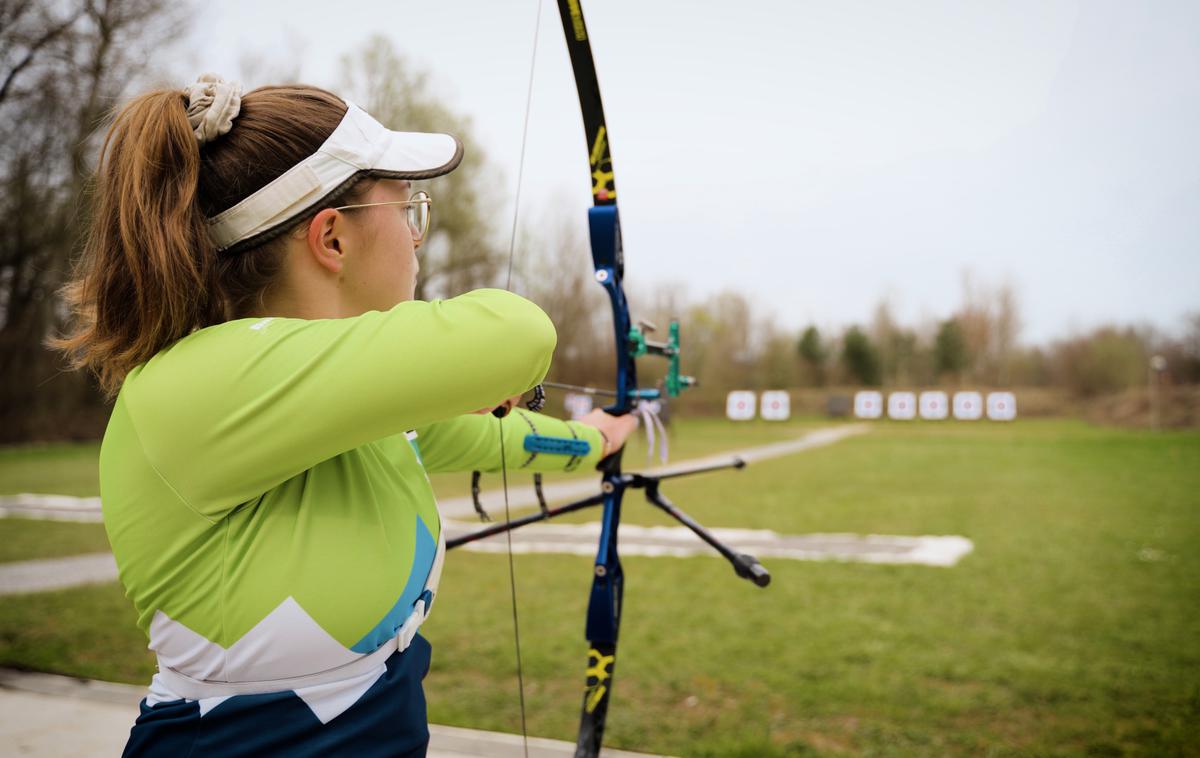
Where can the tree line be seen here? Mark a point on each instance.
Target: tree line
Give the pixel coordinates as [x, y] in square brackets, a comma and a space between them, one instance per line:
[730, 346]
[977, 346]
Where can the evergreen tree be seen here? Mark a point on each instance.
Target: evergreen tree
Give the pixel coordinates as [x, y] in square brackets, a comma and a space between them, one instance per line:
[950, 348]
[814, 354]
[860, 358]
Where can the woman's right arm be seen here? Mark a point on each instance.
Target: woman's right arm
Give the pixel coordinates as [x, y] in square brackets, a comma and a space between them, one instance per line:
[231, 411]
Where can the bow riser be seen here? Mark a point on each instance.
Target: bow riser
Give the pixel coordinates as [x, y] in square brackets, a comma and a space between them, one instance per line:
[605, 229]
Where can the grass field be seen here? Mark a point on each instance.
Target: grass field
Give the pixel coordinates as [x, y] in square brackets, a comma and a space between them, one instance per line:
[1072, 629]
[51, 469]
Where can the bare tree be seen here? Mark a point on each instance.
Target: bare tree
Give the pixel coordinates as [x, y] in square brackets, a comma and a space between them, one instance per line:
[553, 268]
[990, 321]
[464, 250]
[777, 362]
[1006, 327]
[974, 324]
[63, 65]
[720, 342]
[897, 346]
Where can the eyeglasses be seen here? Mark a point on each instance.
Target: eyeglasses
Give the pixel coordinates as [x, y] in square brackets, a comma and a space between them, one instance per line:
[418, 208]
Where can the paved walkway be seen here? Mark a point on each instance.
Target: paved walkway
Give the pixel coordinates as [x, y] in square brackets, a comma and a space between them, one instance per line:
[680, 542]
[51, 507]
[56, 573]
[48, 716]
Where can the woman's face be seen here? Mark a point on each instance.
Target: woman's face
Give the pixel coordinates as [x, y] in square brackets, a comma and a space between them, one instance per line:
[383, 269]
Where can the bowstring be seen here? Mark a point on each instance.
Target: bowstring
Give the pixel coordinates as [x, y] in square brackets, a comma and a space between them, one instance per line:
[512, 244]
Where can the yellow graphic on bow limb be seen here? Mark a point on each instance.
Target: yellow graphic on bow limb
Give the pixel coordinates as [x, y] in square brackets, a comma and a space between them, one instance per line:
[598, 665]
[595, 695]
[598, 669]
[600, 182]
[577, 21]
[599, 148]
[602, 174]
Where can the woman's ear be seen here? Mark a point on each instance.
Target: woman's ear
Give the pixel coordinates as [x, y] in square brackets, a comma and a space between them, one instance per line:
[323, 239]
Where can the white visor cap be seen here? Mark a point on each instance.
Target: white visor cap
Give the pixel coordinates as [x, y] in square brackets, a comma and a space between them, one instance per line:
[359, 144]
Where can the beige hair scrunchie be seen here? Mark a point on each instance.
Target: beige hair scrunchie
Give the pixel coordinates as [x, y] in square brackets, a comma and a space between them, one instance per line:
[212, 104]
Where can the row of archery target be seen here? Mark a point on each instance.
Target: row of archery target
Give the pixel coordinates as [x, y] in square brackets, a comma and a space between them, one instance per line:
[742, 405]
[934, 405]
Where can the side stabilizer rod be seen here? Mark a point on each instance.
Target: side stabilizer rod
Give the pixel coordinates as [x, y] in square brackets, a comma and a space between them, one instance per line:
[744, 565]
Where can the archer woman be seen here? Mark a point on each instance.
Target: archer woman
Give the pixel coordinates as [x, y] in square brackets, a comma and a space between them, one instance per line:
[246, 295]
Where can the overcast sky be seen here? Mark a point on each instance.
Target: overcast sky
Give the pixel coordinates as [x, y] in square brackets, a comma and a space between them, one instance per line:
[820, 156]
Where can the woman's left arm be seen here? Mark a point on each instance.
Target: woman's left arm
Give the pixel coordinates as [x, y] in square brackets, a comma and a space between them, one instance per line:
[532, 442]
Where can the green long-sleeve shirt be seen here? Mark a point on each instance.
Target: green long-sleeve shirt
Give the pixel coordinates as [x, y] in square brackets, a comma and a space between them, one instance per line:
[260, 491]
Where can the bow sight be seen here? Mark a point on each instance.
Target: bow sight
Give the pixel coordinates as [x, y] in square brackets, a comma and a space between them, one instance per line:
[673, 382]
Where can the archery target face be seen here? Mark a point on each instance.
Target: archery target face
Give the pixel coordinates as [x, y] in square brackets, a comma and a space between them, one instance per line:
[868, 404]
[1001, 406]
[934, 405]
[776, 405]
[577, 405]
[739, 406]
[968, 406]
[902, 406]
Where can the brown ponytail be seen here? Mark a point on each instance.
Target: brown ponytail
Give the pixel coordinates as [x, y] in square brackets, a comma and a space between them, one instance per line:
[149, 273]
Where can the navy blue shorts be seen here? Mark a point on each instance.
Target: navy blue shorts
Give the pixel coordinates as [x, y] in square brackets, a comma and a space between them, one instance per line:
[388, 720]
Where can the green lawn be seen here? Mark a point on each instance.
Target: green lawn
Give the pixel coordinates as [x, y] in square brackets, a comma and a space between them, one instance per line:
[1072, 629]
[26, 539]
[69, 469]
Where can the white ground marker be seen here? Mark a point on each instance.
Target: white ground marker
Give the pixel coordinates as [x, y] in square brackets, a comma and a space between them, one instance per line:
[679, 542]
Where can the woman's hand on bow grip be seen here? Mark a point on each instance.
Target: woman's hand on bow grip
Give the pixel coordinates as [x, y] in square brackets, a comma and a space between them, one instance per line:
[614, 429]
